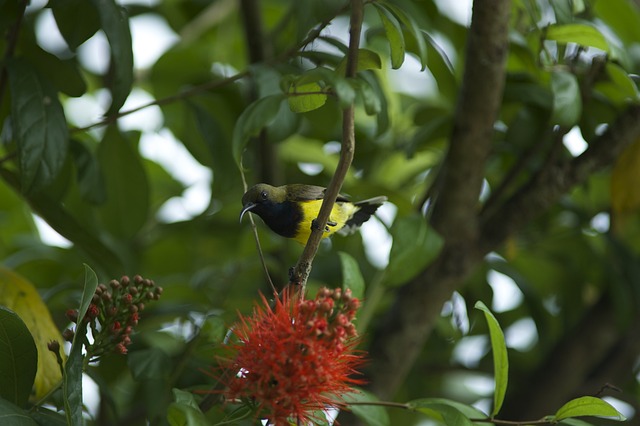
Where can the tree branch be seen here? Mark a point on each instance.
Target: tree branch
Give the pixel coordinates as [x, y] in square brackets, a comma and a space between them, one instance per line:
[303, 267]
[454, 212]
[553, 181]
[396, 345]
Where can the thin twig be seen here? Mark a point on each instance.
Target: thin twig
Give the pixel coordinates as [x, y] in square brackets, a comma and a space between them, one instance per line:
[12, 41]
[210, 85]
[255, 235]
[303, 267]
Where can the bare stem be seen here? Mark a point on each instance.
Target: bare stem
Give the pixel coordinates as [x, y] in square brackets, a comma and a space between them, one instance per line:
[303, 267]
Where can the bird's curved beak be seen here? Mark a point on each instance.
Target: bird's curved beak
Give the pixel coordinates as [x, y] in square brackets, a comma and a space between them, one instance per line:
[246, 208]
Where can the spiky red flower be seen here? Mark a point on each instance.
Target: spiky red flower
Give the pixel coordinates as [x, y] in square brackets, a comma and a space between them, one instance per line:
[297, 359]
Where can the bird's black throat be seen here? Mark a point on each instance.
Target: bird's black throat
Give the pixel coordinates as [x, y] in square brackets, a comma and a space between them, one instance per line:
[283, 218]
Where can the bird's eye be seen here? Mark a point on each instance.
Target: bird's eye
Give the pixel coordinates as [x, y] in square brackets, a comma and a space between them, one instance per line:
[264, 195]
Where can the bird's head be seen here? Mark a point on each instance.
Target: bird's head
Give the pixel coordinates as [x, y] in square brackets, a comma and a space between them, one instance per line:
[261, 195]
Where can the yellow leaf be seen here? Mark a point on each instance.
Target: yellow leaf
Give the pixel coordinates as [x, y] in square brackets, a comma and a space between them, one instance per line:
[19, 295]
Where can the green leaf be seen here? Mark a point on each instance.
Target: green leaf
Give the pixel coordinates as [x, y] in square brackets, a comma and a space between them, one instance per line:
[367, 60]
[394, 35]
[372, 100]
[351, 275]
[72, 380]
[115, 24]
[77, 20]
[372, 415]
[18, 358]
[256, 116]
[149, 364]
[39, 126]
[90, 180]
[567, 103]
[12, 415]
[306, 102]
[581, 34]
[127, 207]
[587, 406]
[59, 218]
[415, 30]
[334, 80]
[446, 413]
[414, 246]
[185, 410]
[500, 359]
[466, 410]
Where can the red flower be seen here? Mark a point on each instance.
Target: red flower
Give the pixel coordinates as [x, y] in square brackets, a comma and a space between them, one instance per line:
[295, 360]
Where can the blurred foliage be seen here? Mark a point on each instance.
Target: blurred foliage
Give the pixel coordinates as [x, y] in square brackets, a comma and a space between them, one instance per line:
[572, 65]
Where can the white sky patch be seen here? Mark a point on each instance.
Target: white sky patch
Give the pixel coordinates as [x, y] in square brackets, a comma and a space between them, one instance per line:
[90, 395]
[149, 119]
[458, 11]
[601, 222]
[470, 350]
[47, 33]
[94, 53]
[311, 169]
[151, 36]
[457, 308]
[574, 142]
[522, 335]
[48, 235]
[410, 80]
[506, 294]
[624, 408]
[86, 109]
[377, 242]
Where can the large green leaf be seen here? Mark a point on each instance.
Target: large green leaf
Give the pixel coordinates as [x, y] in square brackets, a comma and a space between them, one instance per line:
[257, 115]
[77, 20]
[89, 175]
[127, 207]
[60, 219]
[115, 24]
[587, 406]
[500, 359]
[18, 358]
[39, 124]
[414, 246]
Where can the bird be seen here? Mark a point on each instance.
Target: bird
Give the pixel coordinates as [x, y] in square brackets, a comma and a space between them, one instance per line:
[290, 210]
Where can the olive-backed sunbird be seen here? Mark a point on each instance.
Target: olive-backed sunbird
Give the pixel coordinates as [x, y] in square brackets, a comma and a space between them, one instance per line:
[290, 210]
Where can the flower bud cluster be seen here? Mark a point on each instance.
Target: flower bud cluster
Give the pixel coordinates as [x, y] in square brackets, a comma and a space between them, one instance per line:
[329, 316]
[113, 313]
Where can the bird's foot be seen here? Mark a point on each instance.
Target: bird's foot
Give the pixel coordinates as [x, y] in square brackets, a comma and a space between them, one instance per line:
[314, 225]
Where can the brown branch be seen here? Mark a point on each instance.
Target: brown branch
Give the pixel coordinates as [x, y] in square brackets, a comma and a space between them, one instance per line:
[454, 212]
[399, 340]
[303, 267]
[554, 180]
[12, 41]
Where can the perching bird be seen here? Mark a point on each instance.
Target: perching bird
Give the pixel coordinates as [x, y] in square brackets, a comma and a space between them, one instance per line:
[289, 210]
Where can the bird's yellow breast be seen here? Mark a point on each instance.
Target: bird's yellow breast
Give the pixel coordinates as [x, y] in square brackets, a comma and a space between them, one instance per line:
[340, 214]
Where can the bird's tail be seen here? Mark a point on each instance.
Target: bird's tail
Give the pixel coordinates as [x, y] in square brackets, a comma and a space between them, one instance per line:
[365, 209]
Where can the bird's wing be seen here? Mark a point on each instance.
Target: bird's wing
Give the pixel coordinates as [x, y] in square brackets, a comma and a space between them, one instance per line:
[301, 192]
